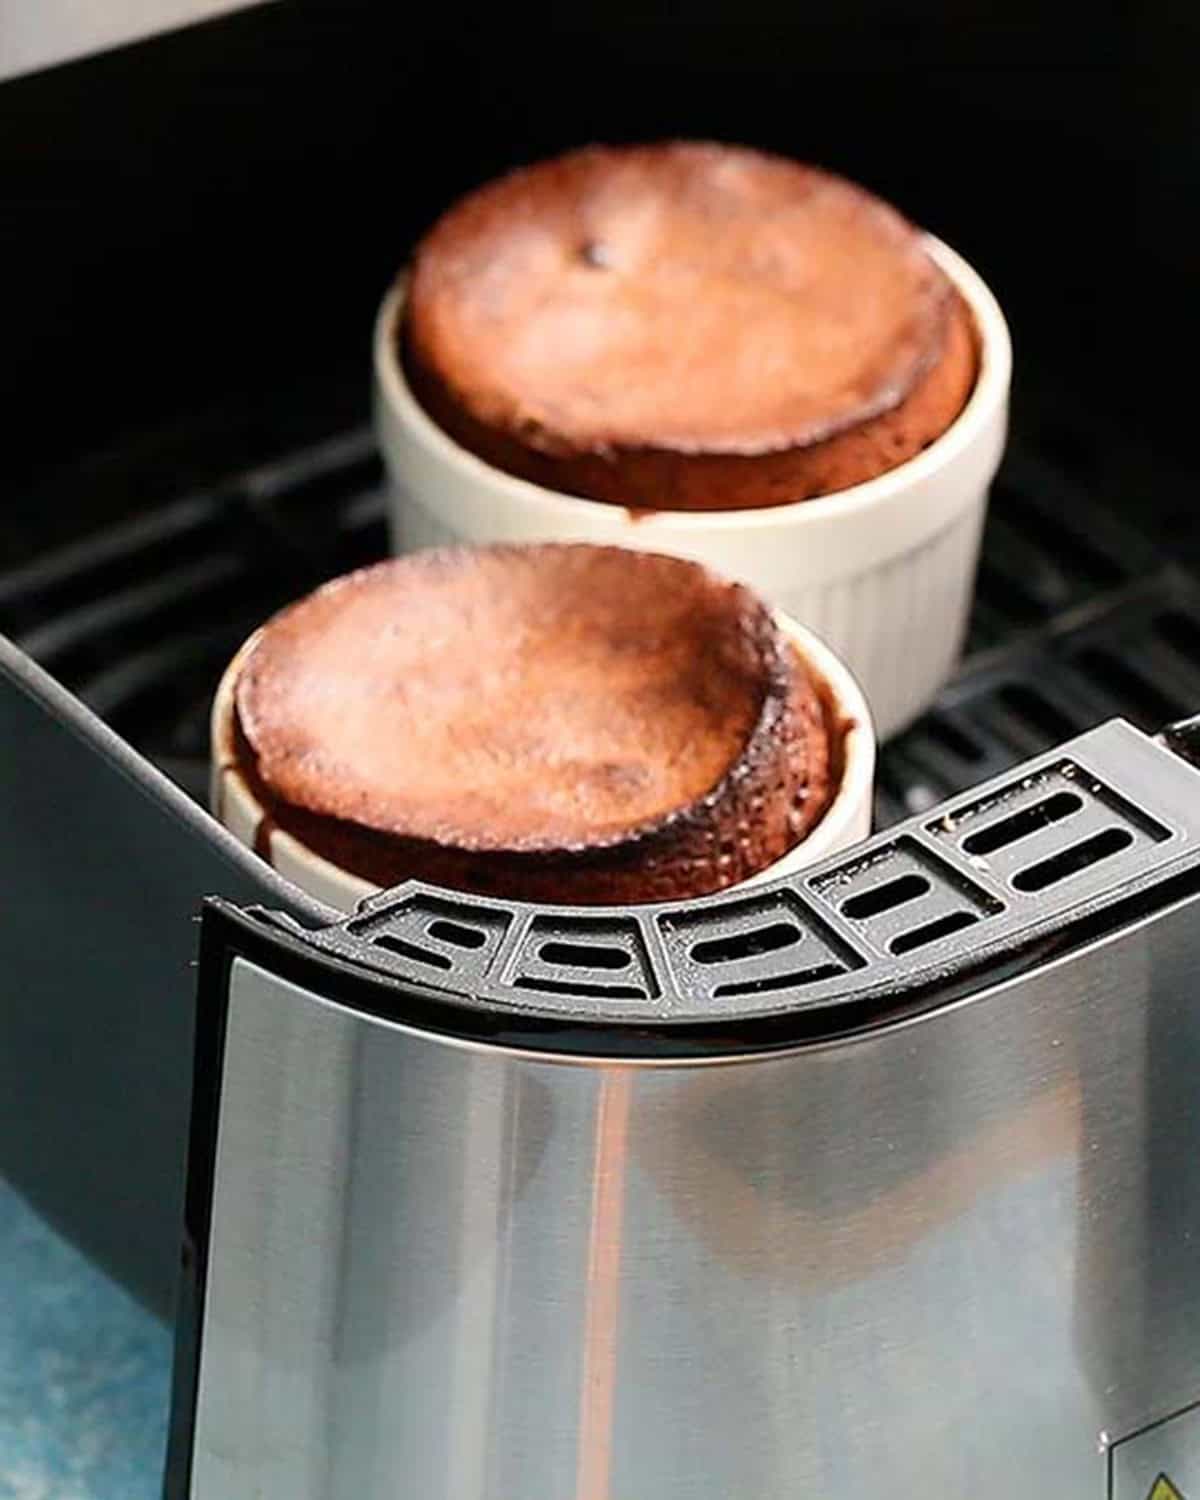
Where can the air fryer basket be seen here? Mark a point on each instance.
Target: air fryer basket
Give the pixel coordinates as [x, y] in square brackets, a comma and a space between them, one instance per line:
[1052, 826]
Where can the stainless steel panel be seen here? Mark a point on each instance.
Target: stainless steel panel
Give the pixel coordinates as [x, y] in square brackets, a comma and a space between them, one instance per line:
[929, 1261]
[103, 867]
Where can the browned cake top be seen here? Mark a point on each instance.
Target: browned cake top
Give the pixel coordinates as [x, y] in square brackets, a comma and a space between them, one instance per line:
[528, 699]
[694, 298]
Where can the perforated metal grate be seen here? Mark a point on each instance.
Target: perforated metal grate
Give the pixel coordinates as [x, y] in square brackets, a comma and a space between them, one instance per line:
[1076, 620]
[759, 946]
[1133, 653]
[1076, 616]
[1014, 859]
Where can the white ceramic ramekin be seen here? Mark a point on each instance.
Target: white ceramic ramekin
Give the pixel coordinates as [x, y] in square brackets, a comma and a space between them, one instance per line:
[883, 572]
[846, 820]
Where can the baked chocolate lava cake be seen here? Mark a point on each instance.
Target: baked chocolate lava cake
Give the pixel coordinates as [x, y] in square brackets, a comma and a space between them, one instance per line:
[684, 326]
[553, 723]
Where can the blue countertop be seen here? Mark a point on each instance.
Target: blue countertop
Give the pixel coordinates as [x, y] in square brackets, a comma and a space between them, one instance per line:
[84, 1373]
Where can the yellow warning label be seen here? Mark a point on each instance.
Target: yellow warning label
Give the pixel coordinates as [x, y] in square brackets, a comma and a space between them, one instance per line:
[1163, 1489]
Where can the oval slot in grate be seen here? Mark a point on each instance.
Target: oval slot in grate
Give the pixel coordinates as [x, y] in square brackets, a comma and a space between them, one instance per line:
[456, 934]
[1020, 825]
[584, 955]
[930, 932]
[1081, 856]
[885, 897]
[744, 945]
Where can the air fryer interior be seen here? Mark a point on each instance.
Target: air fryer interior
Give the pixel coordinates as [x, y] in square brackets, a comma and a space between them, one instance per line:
[191, 408]
[1079, 614]
[1002, 814]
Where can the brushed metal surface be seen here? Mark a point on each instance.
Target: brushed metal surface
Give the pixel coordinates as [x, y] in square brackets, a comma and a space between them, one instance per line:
[956, 1256]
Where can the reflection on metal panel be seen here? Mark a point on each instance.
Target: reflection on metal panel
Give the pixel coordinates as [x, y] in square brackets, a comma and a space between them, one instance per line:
[955, 1253]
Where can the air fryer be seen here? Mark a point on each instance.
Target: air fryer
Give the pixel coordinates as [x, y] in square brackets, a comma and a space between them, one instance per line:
[880, 1178]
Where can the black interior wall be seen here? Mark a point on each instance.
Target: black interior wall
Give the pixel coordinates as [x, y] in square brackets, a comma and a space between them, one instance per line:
[196, 229]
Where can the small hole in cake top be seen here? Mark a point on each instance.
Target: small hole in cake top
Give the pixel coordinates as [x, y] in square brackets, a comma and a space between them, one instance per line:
[596, 253]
